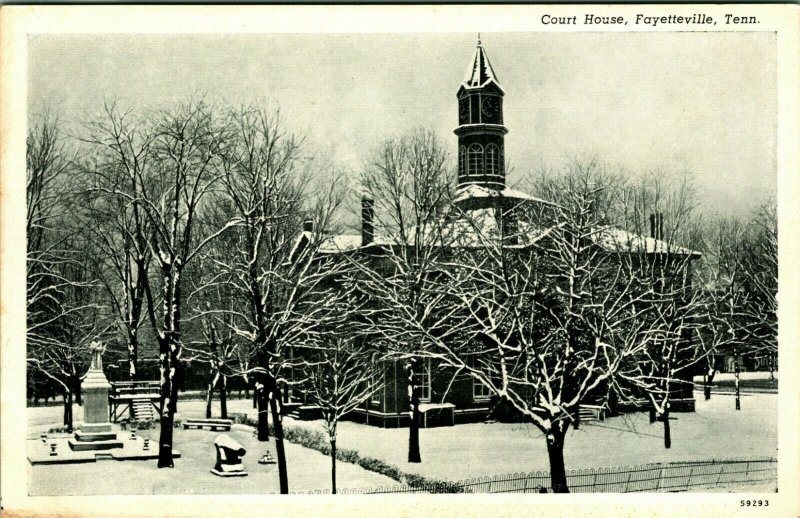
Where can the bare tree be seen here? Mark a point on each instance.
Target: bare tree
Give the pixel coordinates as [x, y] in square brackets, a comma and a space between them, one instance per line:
[761, 282]
[48, 164]
[408, 181]
[170, 189]
[727, 324]
[218, 348]
[538, 322]
[62, 311]
[338, 378]
[117, 225]
[59, 349]
[673, 312]
[270, 260]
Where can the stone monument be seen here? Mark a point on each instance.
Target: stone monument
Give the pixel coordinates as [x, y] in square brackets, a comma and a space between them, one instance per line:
[96, 433]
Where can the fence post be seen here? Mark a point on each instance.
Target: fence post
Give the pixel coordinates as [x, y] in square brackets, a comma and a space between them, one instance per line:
[660, 476]
[594, 482]
[525, 487]
[747, 472]
[719, 477]
[689, 480]
[627, 482]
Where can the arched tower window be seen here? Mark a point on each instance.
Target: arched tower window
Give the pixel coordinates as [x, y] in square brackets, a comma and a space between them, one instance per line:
[492, 159]
[475, 156]
[462, 160]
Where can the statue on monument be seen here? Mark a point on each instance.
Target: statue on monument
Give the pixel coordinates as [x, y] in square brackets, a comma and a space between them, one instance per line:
[97, 350]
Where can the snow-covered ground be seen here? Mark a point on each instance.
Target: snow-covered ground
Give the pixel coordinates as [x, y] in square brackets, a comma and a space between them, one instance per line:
[715, 431]
[729, 376]
[308, 470]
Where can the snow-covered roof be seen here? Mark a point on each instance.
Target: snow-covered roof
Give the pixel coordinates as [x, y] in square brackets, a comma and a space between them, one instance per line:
[478, 226]
[340, 243]
[617, 239]
[347, 242]
[480, 71]
[479, 191]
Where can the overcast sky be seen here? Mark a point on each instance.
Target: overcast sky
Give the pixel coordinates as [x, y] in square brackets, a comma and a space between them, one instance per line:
[702, 102]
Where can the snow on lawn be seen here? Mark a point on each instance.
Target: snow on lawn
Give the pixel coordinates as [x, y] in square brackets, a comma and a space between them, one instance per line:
[715, 431]
[307, 470]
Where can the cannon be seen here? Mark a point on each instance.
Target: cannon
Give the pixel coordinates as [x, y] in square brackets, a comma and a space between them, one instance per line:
[229, 458]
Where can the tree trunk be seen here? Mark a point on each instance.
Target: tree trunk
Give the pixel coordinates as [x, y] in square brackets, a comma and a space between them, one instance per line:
[223, 397]
[555, 452]
[652, 414]
[736, 379]
[333, 466]
[68, 410]
[577, 419]
[209, 397]
[707, 380]
[169, 400]
[165, 439]
[274, 403]
[133, 353]
[613, 400]
[255, 398]
[78, 393]
[667, 435]
[413, 427]
[260, 394]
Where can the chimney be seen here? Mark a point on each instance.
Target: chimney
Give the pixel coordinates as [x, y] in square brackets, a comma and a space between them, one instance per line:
[308, 226]
[367, 217]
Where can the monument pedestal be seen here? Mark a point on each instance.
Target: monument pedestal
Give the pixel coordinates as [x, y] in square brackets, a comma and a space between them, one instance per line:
[96, 433]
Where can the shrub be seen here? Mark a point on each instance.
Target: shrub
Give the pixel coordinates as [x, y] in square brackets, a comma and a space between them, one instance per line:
[240, 418]
[349, 456]
[134, 424]
[318, 441]
[380, 467]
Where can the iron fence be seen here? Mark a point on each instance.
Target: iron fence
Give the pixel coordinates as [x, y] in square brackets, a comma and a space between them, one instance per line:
[677, 476]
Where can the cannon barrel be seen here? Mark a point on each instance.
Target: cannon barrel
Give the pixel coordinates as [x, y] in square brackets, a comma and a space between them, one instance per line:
[226, 442]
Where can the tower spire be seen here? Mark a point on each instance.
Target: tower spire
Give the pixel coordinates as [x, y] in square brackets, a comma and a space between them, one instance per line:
[480, 128]
[480, 71]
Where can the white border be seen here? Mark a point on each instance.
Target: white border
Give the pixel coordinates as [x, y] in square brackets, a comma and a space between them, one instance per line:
[18, 22]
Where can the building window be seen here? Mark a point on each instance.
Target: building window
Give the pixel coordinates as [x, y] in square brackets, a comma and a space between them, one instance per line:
[462, 161]
[492, 159]
[422, 380]
[475, 157]
[377, 381]
[479, 390]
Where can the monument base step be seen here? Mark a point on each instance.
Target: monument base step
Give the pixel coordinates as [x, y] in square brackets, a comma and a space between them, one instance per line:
[95, 427]
[83, 436]
[229, 473]
[94, 445]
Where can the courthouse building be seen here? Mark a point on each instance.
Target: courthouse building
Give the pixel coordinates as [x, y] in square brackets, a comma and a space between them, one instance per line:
[482, 194]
